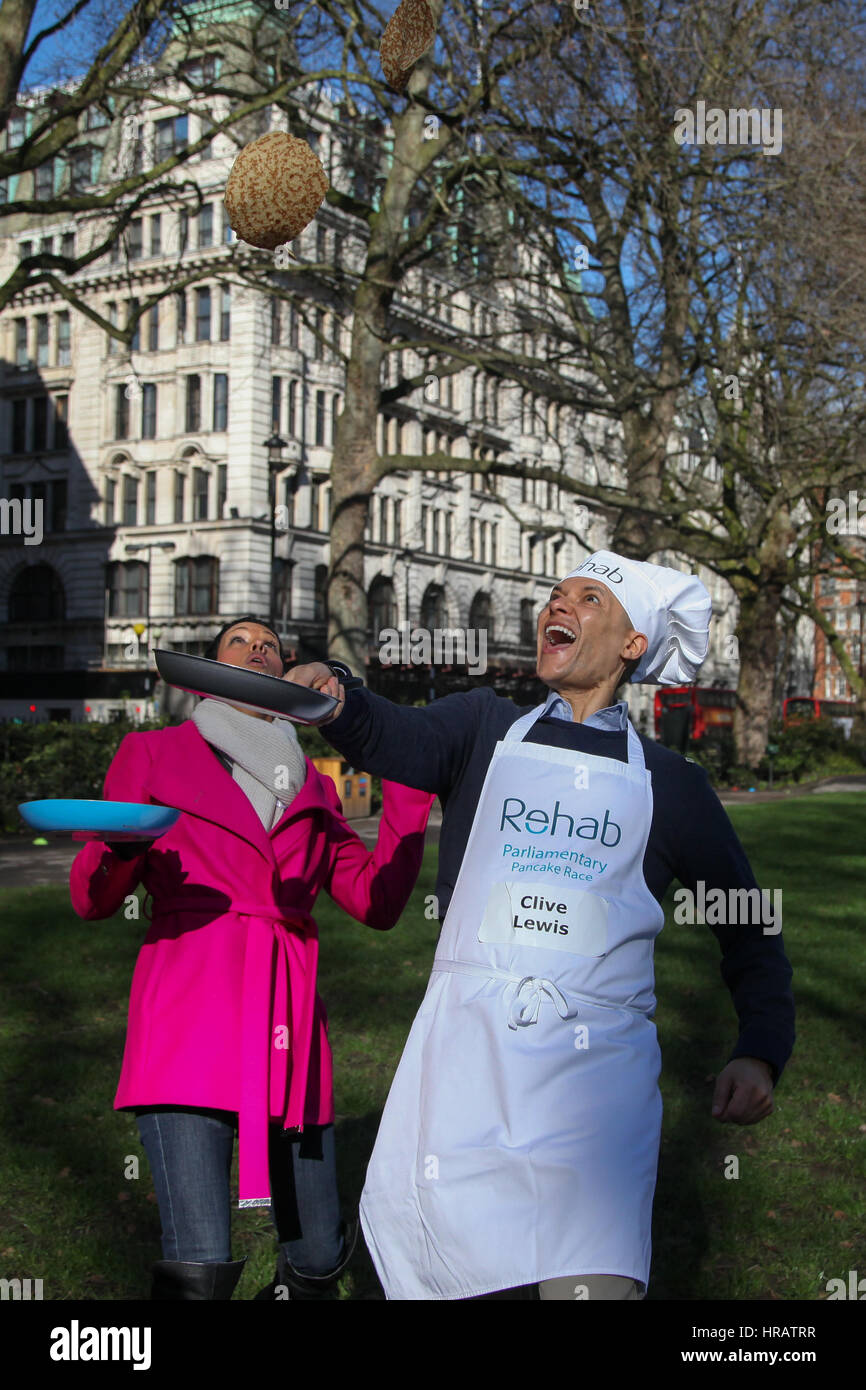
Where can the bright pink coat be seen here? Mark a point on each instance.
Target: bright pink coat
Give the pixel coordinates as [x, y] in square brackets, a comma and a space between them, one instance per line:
[223, 1010]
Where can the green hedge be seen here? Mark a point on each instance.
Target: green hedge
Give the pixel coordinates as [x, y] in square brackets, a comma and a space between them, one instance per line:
[807, 750]
[44, 760]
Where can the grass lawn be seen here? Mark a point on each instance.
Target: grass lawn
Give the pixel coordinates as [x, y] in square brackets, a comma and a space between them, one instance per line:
[794, 1218]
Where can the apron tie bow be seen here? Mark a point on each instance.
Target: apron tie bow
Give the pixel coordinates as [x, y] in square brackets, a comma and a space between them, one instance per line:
[524, 1011]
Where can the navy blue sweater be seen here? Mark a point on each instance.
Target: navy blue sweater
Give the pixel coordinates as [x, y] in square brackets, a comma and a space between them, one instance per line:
[446, 747]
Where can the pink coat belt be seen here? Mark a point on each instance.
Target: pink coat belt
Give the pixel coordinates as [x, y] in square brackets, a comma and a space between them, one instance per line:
[278, 999]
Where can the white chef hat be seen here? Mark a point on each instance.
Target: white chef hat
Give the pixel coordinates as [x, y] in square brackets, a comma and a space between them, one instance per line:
[670, 608]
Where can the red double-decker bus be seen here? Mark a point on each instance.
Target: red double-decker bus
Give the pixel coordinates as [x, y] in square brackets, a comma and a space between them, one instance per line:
[691, 713]
[797, 708]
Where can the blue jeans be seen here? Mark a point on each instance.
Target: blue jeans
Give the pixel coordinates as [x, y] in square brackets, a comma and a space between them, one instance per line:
[190, 1156]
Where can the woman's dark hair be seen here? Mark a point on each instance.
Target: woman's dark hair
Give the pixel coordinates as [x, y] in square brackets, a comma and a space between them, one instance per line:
[214, 646]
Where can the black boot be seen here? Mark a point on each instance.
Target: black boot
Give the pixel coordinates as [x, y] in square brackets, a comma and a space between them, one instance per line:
[310, 1286]
[183, 1281]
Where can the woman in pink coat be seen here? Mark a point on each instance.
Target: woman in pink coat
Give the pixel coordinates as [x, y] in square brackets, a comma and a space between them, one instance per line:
[226, 1028]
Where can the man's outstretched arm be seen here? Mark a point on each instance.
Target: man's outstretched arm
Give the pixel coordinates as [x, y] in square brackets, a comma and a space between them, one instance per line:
[420, 747]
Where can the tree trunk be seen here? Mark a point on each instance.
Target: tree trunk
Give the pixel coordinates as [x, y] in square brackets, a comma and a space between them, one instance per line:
[353, 464]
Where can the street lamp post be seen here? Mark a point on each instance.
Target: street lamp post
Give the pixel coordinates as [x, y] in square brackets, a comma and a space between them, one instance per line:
[275, 446]
[133, 549]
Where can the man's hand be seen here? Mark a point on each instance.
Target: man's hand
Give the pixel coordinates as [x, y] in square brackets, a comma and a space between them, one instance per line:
[744, 1092]
[317, 676]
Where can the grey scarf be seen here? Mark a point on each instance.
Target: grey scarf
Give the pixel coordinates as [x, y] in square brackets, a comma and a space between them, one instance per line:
[268, 763]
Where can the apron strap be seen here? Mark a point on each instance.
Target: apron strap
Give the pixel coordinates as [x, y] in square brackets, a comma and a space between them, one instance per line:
[520, 728]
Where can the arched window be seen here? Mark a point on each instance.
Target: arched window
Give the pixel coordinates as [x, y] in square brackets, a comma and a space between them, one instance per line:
[481, 614]
[382, 606]
[433, 612]
[37, 596]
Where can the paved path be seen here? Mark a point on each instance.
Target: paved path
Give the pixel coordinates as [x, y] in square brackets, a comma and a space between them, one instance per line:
[23, 863]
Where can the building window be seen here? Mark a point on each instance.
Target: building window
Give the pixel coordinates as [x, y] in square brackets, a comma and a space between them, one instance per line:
[200, 494]
[228, 234]
[179, 495]
[127, 584]
[275, 320]
[134, 240]
[111, 344]
[64, 350]
[382, 606]
[21, 358]
[110, 500]
[25, 248]
[16, 131]
[283, 588]
[196, 586]
[320, 417]
[148, 410]
[19, 425]
[132, 310]
[36, 596]
[61, 422]
[56, 509]
[319, 344]
[433, 613]
[121, 413]
[527, 622]
[220, 404]
[292, 412]
[222, 488]
[42, 340]
[67, 245]
[202, 316]
[193, 403]
[205, 225]
[43, 183]
[150, 498]
[276, 402]
[156, 234]
[225, 313]
[336, 404]
[315, 502]
[172, 136]
[320, 594]
[40, 422]
[182, 230]
[294, 330]
[180, 312]
[130, 500]
[153, 328]
[481, 615]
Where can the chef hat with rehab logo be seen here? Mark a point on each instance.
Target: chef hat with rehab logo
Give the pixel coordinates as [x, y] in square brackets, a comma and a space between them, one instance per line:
[672, 609]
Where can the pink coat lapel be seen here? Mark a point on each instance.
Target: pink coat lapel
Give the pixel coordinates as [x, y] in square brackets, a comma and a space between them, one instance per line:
[195, 780]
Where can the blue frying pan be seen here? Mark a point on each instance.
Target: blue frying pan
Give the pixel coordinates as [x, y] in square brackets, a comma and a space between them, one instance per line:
[99, 820]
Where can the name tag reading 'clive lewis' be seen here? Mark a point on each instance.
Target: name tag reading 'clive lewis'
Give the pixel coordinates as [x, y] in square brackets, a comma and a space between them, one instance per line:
[526, 914]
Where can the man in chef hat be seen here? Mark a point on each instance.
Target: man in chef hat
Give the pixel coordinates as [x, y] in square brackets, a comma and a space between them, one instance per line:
[518, 1148]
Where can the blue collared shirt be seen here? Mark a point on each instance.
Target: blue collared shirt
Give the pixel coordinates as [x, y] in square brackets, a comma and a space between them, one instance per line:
[612, 717]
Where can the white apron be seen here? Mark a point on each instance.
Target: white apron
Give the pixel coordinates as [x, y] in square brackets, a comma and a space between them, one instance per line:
[520, 1137]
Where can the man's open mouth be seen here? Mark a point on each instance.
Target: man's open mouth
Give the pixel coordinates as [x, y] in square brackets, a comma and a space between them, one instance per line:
[257, 661]
[557, 636]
